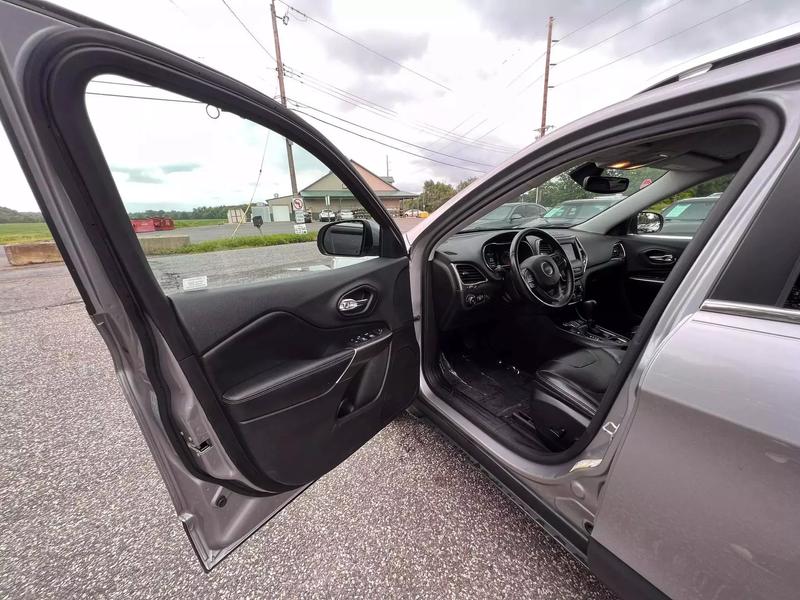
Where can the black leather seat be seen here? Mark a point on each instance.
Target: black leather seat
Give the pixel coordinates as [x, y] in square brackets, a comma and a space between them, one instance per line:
[579, 379]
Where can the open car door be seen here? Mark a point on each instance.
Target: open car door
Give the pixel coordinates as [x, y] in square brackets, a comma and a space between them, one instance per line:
[251, 373]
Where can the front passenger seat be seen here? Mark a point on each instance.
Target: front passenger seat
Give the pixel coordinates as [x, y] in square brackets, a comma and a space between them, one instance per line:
[568, 391]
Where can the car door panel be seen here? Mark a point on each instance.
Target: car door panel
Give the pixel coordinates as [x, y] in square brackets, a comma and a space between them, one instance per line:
[299, 386]
[728, 450]
[648, 262]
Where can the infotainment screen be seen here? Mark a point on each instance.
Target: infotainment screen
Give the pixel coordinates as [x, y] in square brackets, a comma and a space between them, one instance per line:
[572, 253]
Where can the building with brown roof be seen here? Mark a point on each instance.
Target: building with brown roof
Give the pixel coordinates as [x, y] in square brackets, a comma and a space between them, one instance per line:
[328, 192]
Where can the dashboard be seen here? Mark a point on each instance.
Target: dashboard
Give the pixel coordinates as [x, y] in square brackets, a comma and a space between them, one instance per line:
[470, 269]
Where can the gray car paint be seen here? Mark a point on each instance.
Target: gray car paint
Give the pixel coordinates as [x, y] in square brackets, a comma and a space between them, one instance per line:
[702, 498]
[574, 493]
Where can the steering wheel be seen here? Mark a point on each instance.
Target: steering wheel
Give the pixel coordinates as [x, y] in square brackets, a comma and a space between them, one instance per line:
[546, 278]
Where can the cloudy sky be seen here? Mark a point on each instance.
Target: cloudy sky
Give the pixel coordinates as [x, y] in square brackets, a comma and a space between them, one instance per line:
[456, 83]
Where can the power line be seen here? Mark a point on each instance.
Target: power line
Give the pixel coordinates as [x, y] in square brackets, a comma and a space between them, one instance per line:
[313, 117]
[593, 21]
[303, 105]
[533, 63]
[125, 83]
[669, 37]
[182, 101]
[393, 116]
[621, 31]
[365, 47]
[389, 110]
[674, 66]
[526, 69]
[441, 162]
[250, 33]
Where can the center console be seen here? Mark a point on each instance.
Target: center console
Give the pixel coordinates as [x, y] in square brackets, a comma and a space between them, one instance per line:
[584, 329]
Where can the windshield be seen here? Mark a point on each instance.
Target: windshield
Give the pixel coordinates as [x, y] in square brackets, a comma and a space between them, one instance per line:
[561, 202]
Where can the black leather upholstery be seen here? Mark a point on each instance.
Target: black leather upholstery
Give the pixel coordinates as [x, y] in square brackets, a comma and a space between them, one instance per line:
[580, 379]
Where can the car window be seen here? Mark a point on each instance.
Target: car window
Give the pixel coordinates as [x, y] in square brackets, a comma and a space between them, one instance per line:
[209, 194]
[684, 212]
[561, 202]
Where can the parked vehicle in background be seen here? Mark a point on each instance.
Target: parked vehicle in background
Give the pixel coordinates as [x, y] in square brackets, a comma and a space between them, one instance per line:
[327, 215]
[510, 214]
[571, 212]
[685, 216]
[307, 216]
[345, 214]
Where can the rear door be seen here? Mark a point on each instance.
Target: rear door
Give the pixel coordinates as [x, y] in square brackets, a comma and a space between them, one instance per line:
[251, 371]
[701, 500]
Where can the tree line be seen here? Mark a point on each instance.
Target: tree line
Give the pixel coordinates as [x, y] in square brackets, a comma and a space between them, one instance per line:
[201, 212]
[562, 188]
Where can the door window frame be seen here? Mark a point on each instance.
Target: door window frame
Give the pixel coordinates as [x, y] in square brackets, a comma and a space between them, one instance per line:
[54, 85]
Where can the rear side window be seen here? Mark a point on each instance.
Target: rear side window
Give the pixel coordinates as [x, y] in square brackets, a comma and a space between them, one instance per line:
[209, 194]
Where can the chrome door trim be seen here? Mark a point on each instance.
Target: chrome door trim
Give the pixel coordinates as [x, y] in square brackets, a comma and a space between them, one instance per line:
[757, 311]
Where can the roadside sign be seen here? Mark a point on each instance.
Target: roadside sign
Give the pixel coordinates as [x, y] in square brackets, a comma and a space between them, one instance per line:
[299, 216]
[297, 203]
[300, 228]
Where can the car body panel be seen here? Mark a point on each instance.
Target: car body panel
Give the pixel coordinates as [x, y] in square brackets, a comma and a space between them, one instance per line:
[713, 453]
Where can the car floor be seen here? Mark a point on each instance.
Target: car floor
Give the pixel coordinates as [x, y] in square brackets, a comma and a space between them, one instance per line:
[495, 395]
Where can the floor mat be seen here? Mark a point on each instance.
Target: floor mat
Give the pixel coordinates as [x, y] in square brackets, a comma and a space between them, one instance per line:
[499, 388]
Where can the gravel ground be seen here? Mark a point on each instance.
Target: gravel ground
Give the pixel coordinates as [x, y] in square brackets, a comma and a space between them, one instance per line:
[84, 513]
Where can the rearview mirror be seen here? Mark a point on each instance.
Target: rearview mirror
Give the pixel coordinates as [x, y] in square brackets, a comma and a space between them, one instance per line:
[649, 222]
[603, 184]
[349, 238]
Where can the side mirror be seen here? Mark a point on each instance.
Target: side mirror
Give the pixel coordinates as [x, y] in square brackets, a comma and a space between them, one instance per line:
[602, 184]
[349, 238]
[649, 222]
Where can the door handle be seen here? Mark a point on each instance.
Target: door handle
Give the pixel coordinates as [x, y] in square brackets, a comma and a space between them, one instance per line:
[663, 259]
[349, 305]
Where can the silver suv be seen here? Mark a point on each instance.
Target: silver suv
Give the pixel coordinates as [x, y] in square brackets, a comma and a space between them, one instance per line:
[636, 390]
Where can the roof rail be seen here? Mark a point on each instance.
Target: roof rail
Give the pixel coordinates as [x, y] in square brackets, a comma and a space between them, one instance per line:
[741, 51]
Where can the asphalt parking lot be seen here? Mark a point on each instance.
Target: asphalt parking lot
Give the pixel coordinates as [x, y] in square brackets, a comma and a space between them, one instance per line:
[85, 514]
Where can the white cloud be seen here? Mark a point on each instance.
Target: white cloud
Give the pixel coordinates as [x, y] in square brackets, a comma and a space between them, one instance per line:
[480, 49]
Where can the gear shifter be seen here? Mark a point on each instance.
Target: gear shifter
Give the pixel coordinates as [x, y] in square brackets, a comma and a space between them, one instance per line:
[586, 311]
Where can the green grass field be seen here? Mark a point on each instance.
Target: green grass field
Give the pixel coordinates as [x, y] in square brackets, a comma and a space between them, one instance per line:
[198, 222]
[250, 241]
[17, 233]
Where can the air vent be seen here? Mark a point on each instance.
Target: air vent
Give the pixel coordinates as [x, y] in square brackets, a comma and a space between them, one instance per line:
[545, 247]
[618, 251]
[469, 275]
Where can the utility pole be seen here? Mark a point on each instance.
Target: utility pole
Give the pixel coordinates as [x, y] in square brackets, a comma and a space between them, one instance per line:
[543, 128]
[282, 89]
